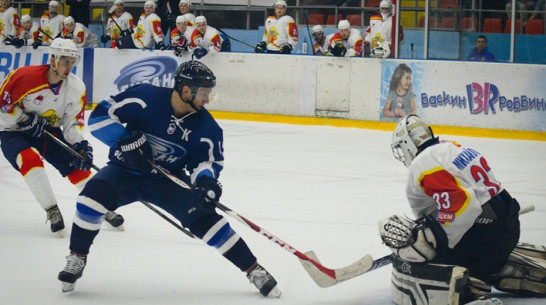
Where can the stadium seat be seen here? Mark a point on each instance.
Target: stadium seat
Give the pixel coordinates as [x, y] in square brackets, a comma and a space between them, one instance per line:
[372, 3]
[355, 19]
[466, 24]
[534, 26]
[331, 19]
[492, 25]
[316, 19]
[508, 26]
[447, 23]
[449, 4]
[431, 22]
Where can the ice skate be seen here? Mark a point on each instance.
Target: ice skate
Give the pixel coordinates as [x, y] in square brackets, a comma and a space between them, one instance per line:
[72, 271]
[114, 219]
[264, 282]
[56, 218]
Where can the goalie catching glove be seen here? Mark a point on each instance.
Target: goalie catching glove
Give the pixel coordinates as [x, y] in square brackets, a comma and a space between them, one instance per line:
[413, 241]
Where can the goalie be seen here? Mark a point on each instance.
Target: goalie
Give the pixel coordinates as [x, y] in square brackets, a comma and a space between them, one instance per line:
[465, 218]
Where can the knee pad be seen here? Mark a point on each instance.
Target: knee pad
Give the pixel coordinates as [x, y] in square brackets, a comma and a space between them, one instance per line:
[523, 275]
[216, 232]
[93, 202]
[29, 159]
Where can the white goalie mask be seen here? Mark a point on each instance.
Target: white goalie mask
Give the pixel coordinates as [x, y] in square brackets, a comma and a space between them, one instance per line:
[410, 133]
[385, 6]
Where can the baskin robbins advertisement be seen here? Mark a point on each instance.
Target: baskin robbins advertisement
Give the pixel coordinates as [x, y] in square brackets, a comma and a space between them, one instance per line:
[460, 93]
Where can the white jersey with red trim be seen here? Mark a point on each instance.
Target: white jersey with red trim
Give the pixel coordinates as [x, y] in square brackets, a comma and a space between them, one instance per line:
[10, 23]
[353, 43]
[148, 31]
[382, 30]
[323, 49]
[211, 40]
[124, 22]
[27, 90]
[451, 183]
[190, 19]
[52, 26]
[81, 36]
[29, 35]
[279, 32]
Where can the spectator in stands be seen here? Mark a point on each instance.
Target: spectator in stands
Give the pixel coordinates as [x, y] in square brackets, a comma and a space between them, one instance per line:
[79, 34]
[181, 35]
[26, 34]
[522, 6]
[51, 25]
[205, 39]
[9, 19]
[322, 42]
[379, 35]
[79, 10]
[480, 53]
[280, 33]
[347, 41]
[120, 23]
[401, 99]
[147, 33]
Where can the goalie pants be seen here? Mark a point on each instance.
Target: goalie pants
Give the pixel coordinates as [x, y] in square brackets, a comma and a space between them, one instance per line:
[113, 187]
[484, 249]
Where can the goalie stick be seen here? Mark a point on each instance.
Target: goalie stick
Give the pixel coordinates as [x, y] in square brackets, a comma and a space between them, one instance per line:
[95, 167]
[322, 275]
[324, 282]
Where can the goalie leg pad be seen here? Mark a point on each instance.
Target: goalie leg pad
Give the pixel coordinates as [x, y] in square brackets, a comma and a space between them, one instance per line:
[427, 284]
[523, 275]
[531, 250]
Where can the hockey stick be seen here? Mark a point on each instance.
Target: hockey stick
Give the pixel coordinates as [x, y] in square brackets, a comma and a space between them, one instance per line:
[324, 281]
[309, 32]
[326, 275]
[235, 39]
[148, 205]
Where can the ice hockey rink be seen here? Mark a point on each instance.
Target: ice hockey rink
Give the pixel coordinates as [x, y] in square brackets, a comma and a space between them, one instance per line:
[317, 188]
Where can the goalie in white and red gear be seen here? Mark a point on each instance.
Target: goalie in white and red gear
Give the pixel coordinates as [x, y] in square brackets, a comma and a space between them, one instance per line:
[347, 41]
[464, 215]
[381, 31]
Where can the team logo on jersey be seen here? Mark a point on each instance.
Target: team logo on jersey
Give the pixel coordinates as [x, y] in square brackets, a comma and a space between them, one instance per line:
[38, 100]
[171, 129]
[445, 217]
[156, 70]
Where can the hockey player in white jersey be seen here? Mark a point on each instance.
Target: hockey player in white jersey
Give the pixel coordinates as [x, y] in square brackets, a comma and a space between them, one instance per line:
[347, 41]
[26, 34]
[10, 21]
[185, 6]
[280, 33]
[147, 34]
[204, 38]
[119, 24]
[322, 42]
[181, 36]
[51, 23]
[465, 217]
[79, 34]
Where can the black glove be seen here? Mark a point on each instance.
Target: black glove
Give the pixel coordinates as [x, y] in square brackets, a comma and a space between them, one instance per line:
[127, 32]
[105, 38]
[339, 50]
[170, 20]
[160, 46]
[178, 50]
[207, 189]
[200, 52]
[34, 126]
[37, 42]
[136, 152]
[286, 49]
[86, 151]
[8, 40]
[260, 47]
[18, 42]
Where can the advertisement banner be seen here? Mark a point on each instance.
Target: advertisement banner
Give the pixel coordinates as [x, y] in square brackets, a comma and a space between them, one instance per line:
[458, 93]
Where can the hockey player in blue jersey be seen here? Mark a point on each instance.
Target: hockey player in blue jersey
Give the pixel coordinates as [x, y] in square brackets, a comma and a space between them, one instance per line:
[170, 127]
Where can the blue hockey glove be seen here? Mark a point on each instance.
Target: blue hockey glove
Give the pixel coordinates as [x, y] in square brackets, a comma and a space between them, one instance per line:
[136, 152]
[207, 189]
[260, 47]
[34, 125]
[200, 52]
[286, 49]
[86, 151]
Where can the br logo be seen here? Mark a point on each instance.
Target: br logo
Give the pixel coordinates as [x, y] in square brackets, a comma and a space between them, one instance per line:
[482, 98]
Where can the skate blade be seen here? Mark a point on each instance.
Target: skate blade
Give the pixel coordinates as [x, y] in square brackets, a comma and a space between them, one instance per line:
[60, 233]
[67, 287]
[275, 293]
[120, 227]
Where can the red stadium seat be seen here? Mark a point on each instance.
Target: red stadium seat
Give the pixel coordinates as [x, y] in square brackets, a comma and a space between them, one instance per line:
[331, 20]
[355, 20]
[492, 25]
[447, 23]
[316, 19]
[534, 26]
[431, 22]
[372, 3]
[508, 26]
[466, 24]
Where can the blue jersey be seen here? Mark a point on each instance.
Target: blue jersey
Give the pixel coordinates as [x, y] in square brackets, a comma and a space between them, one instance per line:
[193, 142]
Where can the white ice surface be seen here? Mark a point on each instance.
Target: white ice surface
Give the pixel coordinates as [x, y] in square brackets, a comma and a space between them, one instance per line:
[316, 187]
